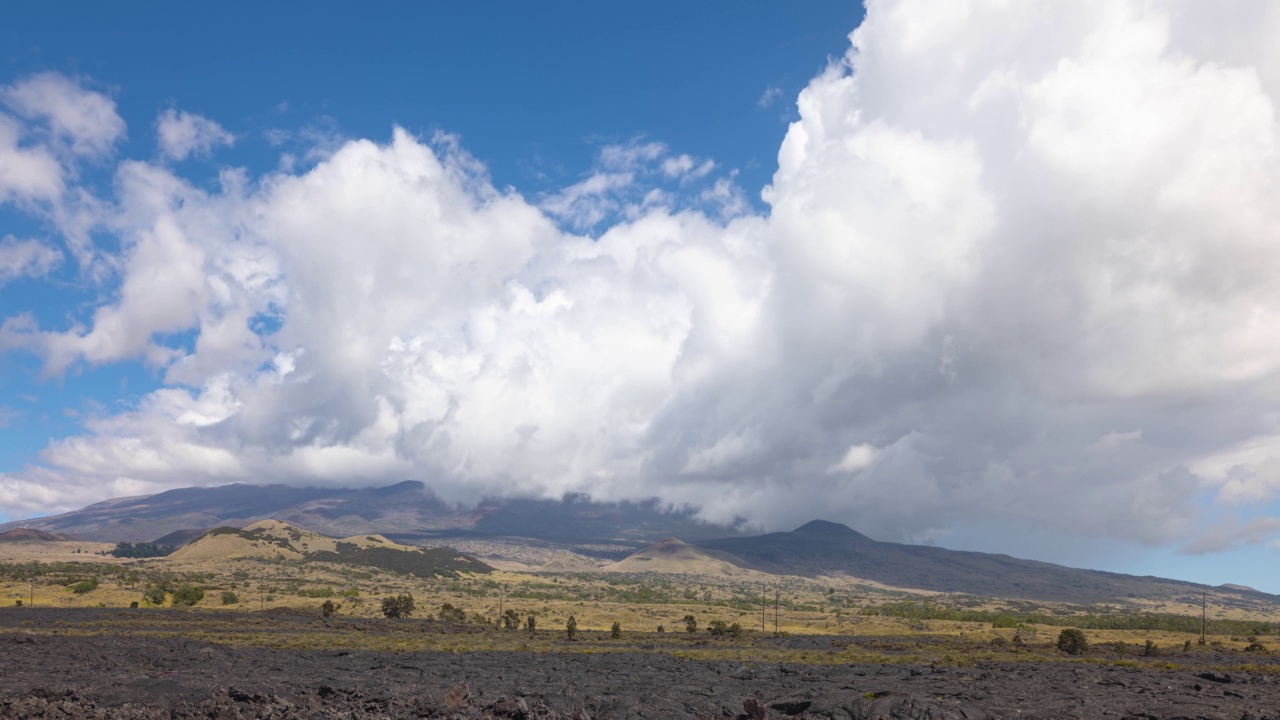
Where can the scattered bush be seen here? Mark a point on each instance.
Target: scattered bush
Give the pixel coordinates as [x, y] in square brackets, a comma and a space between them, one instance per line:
[531, 624]
[154, 595]
[998, 642]
[1072, 642]
[1256, 646]
[18, 604]
[717, 628]
[324, 592]
[1186, 646]
[1005, 621]
[449, 613]
[328, 608]
[571, 627]
[1150, 649]
[132, 606]
[1119, 648]
[229, 598]
[661, 629]
[690, 623]
[510, 620]
[187, 595]
[735, 631]
[400, 606]
[615, 632]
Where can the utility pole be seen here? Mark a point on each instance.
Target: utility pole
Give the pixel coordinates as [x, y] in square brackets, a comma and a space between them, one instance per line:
[33, 591]
[501, 591]
[777, 595]
[764, 606]
[262, 597]
[1204, 608]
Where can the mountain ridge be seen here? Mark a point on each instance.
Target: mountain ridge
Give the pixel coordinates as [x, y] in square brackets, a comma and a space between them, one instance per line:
[608, 534]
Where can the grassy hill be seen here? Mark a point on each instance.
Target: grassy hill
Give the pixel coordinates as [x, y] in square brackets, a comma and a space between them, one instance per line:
[275, 540]
[678, 558]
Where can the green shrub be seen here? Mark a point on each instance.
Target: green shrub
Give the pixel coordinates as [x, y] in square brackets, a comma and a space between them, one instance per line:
[1005, 621]
[328, 608]
[187, 595]
[154, 595]
[615, 632]
[531, 624]
[1151, 649]
[571, 627]
[717, 628]
[1072, 642]
[449, 613]
[229, 598]
[735, 631]
[85, 586]
[400, 606]
[690, 623]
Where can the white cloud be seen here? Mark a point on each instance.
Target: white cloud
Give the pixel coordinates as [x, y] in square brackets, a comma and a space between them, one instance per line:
[1018, 266]
[182, 134]
[26, 173]
[84, 120]
[25, 258]
[771, 95]
[857, 458]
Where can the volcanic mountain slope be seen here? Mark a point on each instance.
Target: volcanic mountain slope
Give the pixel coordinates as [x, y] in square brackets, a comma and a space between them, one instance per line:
[821, 548]
[679, 558]
[408, 511]
[274, 540]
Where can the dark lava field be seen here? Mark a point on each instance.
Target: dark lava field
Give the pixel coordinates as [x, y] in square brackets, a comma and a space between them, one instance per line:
[50, 670]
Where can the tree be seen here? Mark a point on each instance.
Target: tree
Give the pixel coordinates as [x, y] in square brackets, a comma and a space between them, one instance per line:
[400, 606]
[510, 620]
[531, 624]
[571, 627]
[717, 628]
[328, 608]
[735, 631]
[1072, 642]
[690, 623]
[615, 632]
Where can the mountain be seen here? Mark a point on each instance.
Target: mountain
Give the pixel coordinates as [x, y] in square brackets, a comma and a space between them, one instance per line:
[24, 534]
[679, 558]
[408, 511]
[822, 548]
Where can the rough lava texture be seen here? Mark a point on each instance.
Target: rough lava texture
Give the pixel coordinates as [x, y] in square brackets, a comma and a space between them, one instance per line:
[59, 676]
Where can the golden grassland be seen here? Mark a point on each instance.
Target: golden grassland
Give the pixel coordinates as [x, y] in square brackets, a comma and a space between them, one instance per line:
[640, 604]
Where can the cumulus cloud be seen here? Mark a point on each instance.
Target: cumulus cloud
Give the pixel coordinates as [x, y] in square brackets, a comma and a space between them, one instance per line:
[182, 134]
[26, 173]
[1017, 267]
[85, 121]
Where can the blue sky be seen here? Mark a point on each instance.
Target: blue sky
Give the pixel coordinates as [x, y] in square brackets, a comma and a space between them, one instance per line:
[996, 278]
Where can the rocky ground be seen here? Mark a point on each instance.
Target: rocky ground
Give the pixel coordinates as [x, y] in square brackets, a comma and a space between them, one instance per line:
[65, 675]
